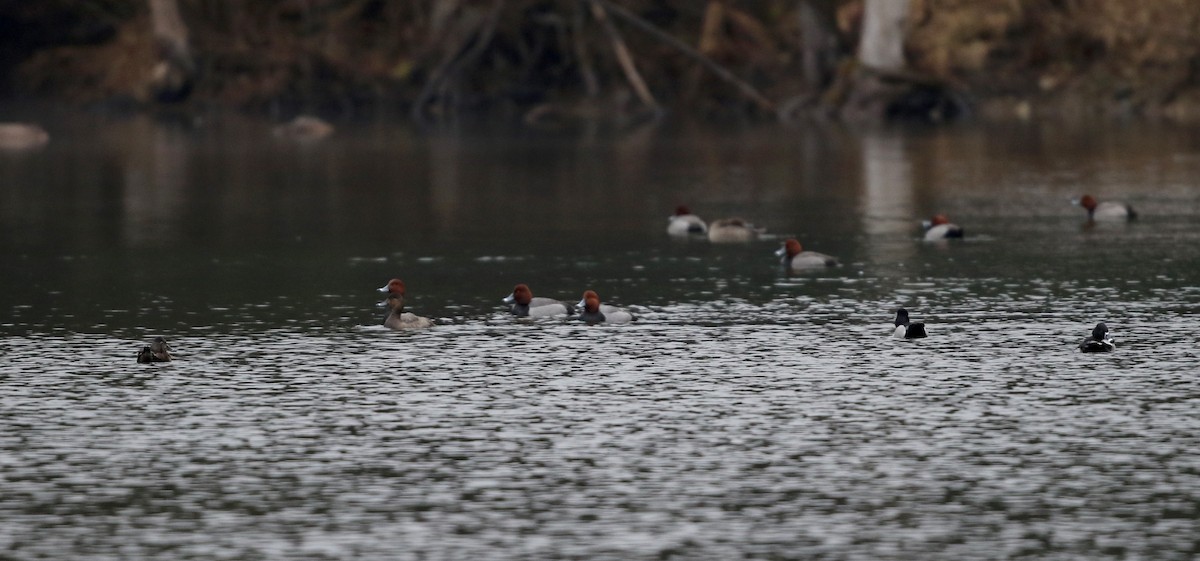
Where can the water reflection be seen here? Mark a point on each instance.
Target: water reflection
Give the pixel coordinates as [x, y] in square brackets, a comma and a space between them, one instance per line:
[154, 174]
[888, 206]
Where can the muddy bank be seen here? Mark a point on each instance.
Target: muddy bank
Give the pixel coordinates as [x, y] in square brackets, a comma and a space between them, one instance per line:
[552, 62]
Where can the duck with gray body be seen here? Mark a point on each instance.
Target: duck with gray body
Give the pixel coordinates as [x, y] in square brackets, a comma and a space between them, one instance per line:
[794, 257]
[524, 304]
[592, 312]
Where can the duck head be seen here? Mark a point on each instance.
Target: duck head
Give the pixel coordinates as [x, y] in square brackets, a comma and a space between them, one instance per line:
[521, 295]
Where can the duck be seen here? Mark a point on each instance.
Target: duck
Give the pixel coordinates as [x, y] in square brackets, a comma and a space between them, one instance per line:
[157, 351]
[304, 127]
[397, 318]
[1107, 210]
[733, 230]
[593, 312]
[684, 223]
[525, 305]
[940, 228]
[906, 329]
[22, 136]
[1099, 342]
[794, 257]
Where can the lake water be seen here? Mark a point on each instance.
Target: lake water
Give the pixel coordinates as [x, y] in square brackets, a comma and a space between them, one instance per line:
[748, 413]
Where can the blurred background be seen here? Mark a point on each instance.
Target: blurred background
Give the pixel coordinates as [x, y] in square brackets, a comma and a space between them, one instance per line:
[558, 62]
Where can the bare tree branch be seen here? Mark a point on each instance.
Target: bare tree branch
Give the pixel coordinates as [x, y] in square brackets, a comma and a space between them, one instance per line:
[746, 89]
[623, 56]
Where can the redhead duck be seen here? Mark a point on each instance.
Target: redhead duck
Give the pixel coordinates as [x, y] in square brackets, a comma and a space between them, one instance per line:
[684, 223]
[940, 228]
[906, 329]
[22, 136]
[157, 351]
[397, 318]
[525, 305]
[1107, 210]
[733, 230]
[593, 312]
[304, 127]
[1099, 342]
[794, 257]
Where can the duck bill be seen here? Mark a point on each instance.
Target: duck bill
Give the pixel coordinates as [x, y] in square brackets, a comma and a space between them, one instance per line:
[383, 288]
[509, 299]
[781, 252]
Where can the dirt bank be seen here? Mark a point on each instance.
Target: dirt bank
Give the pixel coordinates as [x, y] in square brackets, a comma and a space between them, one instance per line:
[547, 59]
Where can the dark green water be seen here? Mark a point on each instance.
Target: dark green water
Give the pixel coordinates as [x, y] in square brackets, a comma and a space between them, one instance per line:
[747, 413]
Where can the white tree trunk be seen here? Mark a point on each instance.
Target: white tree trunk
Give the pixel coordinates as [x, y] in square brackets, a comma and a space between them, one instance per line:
[171, 78]
[169, 28]
[882, 43]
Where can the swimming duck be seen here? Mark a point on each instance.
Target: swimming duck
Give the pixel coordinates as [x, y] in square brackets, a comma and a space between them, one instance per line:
[940, 228]
[22, 136]
[794, 257]
[1099, 342]
[304, 127]
[1107, 210]
[525, 305]
[733, 230]
[157, 351]
[684, 223]
[397, 318]
[906, 329]
[593, 312]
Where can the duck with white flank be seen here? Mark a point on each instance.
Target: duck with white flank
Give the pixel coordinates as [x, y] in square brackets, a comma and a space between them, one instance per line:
[940, 228]
[1107, 210]
[684, 223]
[906, 329]
[795, 258]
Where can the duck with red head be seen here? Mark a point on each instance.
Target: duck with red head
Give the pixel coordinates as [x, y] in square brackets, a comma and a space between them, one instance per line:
[1107, 210]
[795, 258]
[683, 223]
[940, 228]
[593, 312]
[397, 318]
[525, 305]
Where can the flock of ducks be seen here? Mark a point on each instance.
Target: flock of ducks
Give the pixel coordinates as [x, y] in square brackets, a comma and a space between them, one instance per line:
[794, 257]
[521, 303]
[683, 223]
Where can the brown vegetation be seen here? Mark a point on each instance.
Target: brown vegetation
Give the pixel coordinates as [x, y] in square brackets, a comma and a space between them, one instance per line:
[551, 61]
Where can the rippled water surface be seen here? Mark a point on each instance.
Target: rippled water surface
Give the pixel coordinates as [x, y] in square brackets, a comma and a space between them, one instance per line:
[748, 413]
